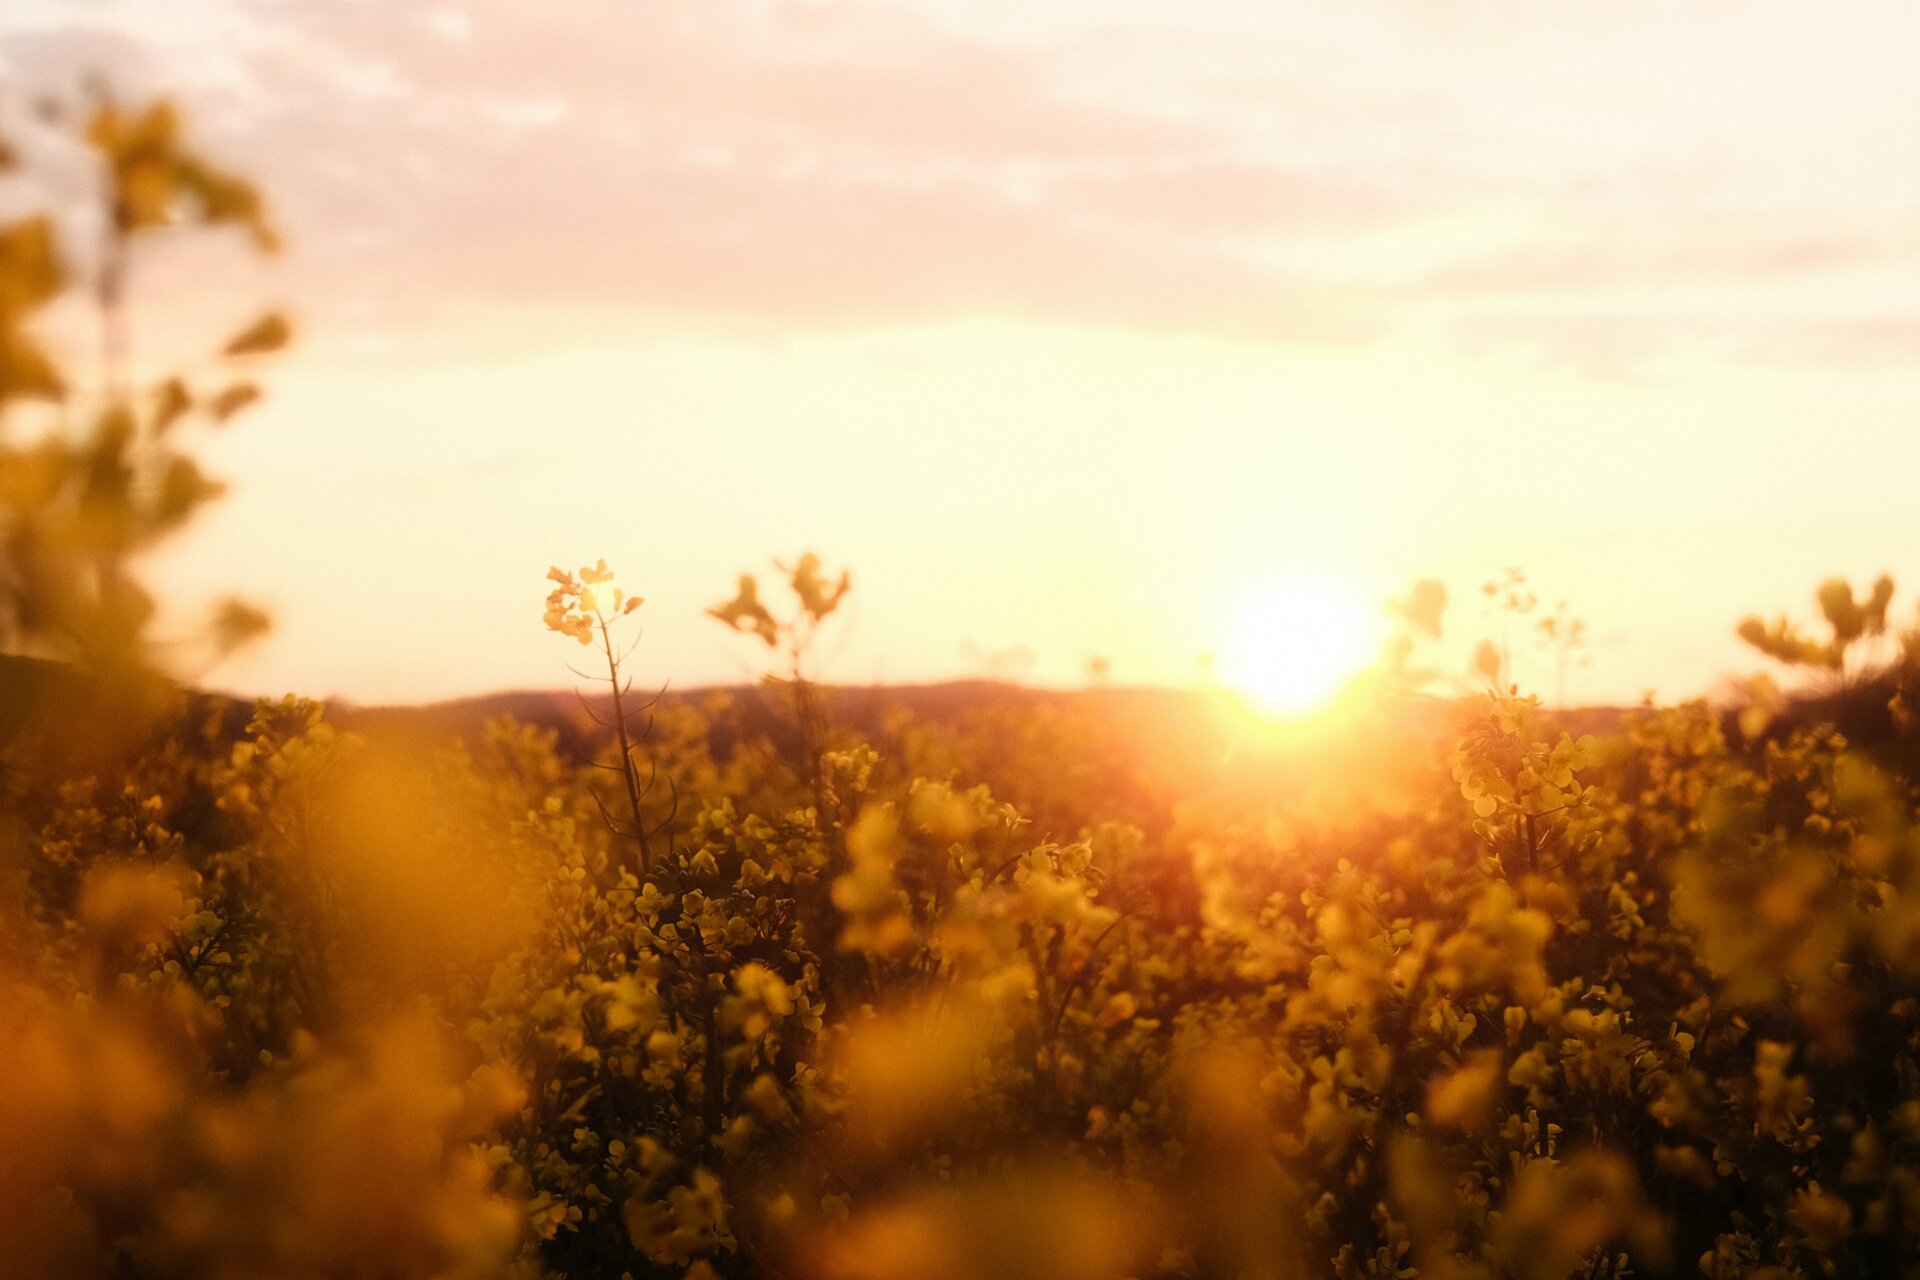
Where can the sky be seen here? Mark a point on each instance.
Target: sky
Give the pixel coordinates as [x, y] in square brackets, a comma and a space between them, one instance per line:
[1069, 327]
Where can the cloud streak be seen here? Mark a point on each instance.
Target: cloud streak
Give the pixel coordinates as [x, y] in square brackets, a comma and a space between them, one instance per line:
[784, 167]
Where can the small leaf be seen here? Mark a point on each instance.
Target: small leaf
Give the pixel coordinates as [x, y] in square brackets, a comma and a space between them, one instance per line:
[237, 623]
[1486, 661]
[1424, 606]
[233, 400]
[173, 400]
[183, 488]
[269, 333]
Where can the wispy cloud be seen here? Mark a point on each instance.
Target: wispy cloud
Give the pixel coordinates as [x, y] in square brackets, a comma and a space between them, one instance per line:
[1311, 176]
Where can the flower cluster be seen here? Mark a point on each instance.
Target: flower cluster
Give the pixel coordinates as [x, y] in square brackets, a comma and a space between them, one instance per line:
[581, 602]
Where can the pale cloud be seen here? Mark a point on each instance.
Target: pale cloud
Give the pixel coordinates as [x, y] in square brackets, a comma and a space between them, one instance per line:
[1286, 172]
[784, 166]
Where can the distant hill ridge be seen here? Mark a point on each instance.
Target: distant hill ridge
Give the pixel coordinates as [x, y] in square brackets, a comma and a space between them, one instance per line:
[31, 688]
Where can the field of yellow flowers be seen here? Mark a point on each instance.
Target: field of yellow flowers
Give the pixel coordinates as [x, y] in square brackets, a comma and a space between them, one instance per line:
[737, 986]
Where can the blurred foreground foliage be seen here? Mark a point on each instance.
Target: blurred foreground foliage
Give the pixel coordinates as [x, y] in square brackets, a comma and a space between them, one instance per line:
[1449, 990]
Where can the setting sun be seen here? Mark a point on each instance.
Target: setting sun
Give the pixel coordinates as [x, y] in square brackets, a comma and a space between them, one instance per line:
[1297, 643]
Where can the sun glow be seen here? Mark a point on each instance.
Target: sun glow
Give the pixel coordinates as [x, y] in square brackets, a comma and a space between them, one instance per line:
[1298, 643]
